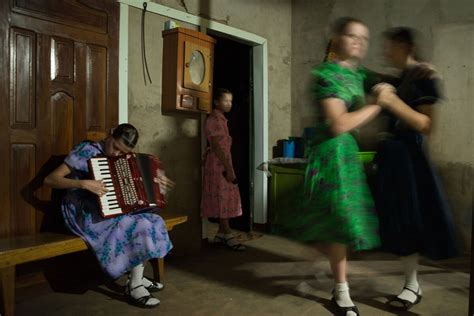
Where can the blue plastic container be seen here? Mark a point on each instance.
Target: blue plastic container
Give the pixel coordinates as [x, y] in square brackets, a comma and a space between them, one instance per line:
[288, 149]
[299, 146]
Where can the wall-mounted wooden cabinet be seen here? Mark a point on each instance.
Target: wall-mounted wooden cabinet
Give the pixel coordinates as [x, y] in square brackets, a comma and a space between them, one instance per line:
[187, 71]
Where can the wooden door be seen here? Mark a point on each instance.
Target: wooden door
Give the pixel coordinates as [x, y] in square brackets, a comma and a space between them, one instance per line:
[58, 86]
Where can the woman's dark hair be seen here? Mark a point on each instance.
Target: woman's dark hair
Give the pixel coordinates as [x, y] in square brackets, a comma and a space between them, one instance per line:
[404, 35]
[220, 92]
[127, 133]
[339, 26]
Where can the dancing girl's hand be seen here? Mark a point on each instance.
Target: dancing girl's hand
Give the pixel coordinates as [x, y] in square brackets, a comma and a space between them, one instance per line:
[384, 94]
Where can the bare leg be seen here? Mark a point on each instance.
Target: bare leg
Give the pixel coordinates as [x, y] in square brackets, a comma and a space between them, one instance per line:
[225, 236]
[337, 255]
[224, 227]
[337, 259]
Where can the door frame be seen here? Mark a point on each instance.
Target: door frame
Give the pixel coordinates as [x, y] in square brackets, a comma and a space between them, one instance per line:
[260, 79]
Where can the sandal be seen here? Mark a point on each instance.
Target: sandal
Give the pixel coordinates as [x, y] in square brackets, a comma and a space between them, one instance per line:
[230, 243]
[155, 286]
[406, 304]
[141, 301]
[342, 311]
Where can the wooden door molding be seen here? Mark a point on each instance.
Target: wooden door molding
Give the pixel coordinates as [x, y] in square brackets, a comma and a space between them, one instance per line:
[87, 15]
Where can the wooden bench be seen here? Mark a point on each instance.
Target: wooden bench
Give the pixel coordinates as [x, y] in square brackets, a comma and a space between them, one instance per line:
[18, 250]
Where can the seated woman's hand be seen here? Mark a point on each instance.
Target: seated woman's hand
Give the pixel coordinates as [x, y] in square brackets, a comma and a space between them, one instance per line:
[95, 186]
[166, 184]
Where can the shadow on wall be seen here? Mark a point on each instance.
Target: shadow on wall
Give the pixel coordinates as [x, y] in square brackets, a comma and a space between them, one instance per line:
[457, 181]
[50, 206]
[180, 152]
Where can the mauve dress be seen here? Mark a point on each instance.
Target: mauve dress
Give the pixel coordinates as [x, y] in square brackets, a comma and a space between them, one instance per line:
[119, 243]
[219, 197]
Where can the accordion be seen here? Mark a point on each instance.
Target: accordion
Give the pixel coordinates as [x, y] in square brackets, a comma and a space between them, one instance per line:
[129, 180]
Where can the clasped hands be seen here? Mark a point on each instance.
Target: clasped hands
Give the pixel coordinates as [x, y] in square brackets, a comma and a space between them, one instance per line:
[385, 94]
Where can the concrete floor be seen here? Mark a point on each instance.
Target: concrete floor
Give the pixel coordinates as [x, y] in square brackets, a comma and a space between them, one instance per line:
[273, 277]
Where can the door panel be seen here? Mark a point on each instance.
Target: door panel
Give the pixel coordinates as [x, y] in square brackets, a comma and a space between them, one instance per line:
[23, 170]
[62, 123]
[62, 60]
[96, 101]
[22, 74]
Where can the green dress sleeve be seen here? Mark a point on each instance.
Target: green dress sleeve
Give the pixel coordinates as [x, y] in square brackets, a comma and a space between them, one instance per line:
[334, 81]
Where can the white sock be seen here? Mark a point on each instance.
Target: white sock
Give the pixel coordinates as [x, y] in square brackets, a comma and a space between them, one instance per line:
[136, 276]
[342, 297]
[137, 291]
[410, 265]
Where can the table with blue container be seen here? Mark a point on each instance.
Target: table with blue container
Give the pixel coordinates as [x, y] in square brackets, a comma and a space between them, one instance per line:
[287, 174]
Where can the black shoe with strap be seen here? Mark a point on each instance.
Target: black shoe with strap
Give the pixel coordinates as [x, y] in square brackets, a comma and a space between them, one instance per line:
[342, 311]
[141, 301]
[405, 305]
[230, 242]
[154, 286]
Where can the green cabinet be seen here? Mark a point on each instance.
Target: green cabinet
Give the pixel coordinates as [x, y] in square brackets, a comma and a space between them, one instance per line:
[284, 179]
[288, 177]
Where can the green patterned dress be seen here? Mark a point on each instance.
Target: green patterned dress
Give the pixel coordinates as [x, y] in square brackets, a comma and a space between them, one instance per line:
[335, 205]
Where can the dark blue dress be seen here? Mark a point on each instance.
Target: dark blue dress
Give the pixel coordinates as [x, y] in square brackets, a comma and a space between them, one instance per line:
[413, 213]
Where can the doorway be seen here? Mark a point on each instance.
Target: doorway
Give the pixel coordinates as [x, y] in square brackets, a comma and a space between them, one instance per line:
[233, 70]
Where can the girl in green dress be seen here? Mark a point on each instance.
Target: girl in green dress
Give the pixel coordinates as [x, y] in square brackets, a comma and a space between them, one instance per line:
[337, 209]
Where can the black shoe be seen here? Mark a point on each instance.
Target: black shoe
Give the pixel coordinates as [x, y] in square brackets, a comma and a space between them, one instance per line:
[141, 301]
[342, 311]
[405, 304]
[155, 286]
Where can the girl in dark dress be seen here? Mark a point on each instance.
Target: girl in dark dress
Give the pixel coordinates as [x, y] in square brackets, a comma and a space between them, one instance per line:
[414, 217]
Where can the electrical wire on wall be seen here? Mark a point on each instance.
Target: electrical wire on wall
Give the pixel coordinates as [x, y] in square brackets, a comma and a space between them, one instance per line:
[144, 62]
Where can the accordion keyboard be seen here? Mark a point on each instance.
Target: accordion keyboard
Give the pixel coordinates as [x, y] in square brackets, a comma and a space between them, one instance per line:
[102, 172]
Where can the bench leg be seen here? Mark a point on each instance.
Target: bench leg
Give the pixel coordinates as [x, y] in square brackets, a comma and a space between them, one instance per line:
[158, 265]
[7, 290]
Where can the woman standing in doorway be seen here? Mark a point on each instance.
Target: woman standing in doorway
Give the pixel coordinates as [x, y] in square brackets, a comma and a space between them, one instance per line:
[220, 193]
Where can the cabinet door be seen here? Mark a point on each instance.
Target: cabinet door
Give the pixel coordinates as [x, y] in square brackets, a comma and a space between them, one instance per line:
[197, 66]
[284, 181]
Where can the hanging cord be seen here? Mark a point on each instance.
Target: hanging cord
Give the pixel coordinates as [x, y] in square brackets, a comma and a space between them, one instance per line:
[144, 62]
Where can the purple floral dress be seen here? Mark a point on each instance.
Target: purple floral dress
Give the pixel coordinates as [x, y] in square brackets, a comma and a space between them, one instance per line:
[119, 243]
